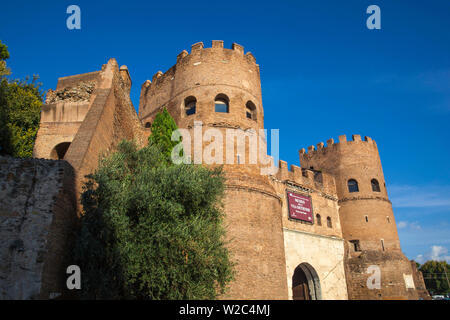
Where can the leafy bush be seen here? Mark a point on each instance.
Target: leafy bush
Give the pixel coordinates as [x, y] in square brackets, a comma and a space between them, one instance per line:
[152, 229]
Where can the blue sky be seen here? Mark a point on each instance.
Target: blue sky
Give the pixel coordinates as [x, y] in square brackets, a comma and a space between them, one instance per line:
[323, 74]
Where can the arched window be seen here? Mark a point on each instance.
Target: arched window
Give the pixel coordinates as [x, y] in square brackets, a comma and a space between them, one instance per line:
[375, 185]
[318, 219]
[148, 124]
[59, 151]
[250, 110]
[353, 185]
[190, 104]
[329, 225]
[221, 103]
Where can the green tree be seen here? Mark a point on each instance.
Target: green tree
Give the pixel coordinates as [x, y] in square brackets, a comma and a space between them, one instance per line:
[152, 229]
[162, 128]
[4, 55]
[436, 275]
[20, 107]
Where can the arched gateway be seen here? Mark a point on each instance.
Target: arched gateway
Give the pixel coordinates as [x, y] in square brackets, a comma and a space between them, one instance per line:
[59, 151]
[306, 283]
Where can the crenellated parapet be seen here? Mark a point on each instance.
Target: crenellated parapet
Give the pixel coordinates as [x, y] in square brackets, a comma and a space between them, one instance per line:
[199, 52]
[311, 180]
[356, 159]
[333, 146]
[201, 75]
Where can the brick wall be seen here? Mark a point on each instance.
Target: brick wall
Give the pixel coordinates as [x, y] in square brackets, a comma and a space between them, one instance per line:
[94, 126]
[37, 216]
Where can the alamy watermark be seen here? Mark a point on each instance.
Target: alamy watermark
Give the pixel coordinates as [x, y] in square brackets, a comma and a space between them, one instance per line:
[374, 20]
[74, 280]
[229, 146]
[74, 20]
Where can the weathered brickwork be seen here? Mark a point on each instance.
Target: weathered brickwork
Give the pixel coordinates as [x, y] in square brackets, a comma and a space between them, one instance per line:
[37, 206]
[419, 283]
[93, 112]
[367, 219]
[102, 116]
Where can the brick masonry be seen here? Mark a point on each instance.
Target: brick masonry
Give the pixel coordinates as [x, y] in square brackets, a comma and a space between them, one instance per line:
[37, 202]
[93, 112]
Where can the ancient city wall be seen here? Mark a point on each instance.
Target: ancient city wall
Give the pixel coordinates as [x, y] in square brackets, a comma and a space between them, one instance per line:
[95, 123]
[367, 219]
[37, 214]
[396, 276]
[314, 243]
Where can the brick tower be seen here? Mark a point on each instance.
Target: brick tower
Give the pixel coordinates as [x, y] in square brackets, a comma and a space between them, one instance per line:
[366, 216]
[211, 92]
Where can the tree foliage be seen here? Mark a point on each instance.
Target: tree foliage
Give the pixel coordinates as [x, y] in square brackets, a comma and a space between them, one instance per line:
[4, 55]
[162, 128]
[434, 274]
[20, 106]
[152, 229]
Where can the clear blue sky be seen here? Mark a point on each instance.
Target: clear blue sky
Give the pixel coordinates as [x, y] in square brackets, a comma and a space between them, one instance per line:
[323, 74]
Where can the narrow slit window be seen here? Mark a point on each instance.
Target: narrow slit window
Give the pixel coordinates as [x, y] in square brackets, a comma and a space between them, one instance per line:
[318, 220]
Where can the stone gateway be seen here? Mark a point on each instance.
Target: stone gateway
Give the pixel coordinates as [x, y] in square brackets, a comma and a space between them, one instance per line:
[319, 247]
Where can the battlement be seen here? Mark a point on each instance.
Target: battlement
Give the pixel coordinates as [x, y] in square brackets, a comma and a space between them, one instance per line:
[311, 179]
[198, 47]
[198, 50]
[332, 145]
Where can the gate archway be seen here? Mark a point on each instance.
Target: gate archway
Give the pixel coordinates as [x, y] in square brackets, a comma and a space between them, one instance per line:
[306, 283]
[59, 151]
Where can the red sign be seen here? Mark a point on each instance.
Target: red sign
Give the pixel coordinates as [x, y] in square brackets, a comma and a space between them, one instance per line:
[300, 207]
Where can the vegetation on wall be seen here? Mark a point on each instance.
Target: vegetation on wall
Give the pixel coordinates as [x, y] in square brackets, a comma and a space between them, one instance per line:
[20, 107]
[152, 229]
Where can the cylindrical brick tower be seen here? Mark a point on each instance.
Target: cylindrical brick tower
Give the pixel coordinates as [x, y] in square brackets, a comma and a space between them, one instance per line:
[213, 92]
[366, 216]
[365, 210]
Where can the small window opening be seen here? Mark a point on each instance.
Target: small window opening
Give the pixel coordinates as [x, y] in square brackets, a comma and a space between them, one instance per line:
[353, 185]
[190, 104]
[375, 185]
[221, 104]
[356, 245]
[318, 220]
[250, 109]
